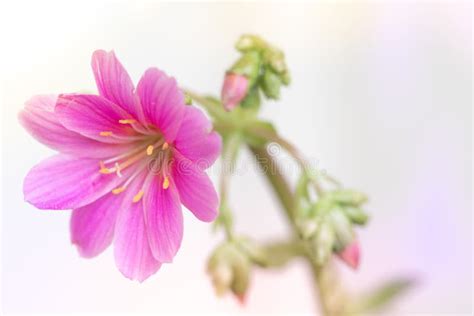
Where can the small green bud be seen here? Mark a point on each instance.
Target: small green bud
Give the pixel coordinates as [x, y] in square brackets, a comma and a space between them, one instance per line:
[249, 42]
[342, 228]
[356, 215]
[271, 84]
[285, 78]
[276, 59]
[349, 197]
[323, 242]
[229, 267]
[307, 227]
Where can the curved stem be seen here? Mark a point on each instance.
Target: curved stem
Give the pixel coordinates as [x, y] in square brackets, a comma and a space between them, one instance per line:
[296, 154]
[285, 195]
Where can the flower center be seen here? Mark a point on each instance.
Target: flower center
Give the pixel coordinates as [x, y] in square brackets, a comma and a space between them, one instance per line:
[151, 151]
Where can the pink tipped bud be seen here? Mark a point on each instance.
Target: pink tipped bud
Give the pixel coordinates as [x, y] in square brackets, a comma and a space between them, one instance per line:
[234, 90]
[351, 254]
[241, 298]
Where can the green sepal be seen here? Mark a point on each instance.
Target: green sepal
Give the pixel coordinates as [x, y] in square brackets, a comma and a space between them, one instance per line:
[271, 84]
[356, 215]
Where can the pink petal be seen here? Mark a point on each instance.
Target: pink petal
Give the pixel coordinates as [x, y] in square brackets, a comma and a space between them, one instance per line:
[113, 81]
[132, 251]
[163, 218]
[162, 102]
[91, 115]
[351, 254]
[39, 119]
[92, 226]
[196, 190]
[196, 141]
[65, 182]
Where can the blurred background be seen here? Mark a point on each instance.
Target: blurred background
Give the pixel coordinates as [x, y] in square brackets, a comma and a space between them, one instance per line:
[380, 97]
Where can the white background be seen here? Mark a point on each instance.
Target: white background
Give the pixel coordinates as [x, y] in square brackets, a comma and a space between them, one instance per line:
[381, 97]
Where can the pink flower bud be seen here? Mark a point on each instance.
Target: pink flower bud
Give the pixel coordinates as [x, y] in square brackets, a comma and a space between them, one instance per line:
[234, 90]
[351, 254]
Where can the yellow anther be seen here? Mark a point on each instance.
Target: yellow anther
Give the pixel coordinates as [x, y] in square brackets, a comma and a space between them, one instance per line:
[103, 168]
[149, 150]
[105, 133]
[166, 183]
[138, 196]
[118, 190]
[165, 146]
[128, 121]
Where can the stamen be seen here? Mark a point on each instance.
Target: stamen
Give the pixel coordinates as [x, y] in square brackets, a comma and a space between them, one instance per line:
[165, 146]
[166, 183]
[103, 168]
[138, 196]
[117, 167]
[149, 150]
[128, 121]
[106, 133]
[118, 190]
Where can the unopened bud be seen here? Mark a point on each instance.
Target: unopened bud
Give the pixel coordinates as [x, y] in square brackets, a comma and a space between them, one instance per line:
[271, 84]
[356, 215]
[342, 228]
[349, 197]
[229, 267]
[234, 90]
[323, 242]
[351, 254]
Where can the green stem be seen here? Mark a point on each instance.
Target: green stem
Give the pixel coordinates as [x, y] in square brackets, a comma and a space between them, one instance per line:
[229, 156]
[285, 195]
[295, 153]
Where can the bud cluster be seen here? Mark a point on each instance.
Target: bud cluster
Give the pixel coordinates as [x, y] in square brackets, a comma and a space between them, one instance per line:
[328, 225]
[261, 67]
[230, 266]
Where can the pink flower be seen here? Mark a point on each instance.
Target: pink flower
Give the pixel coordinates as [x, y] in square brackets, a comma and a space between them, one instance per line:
[128, 159]
[234, 90]
[351, 254]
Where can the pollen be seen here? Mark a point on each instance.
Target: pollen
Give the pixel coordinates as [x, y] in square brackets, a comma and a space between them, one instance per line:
[127, 121]
[165, 146]
[149, 150]
[118, 190]
[103, 168]
[138, 196]
[105, 133]
[166, 183]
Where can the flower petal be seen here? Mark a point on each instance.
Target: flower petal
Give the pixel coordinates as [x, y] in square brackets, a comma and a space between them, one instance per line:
[92, 226]
[195, 139]
[196, 190]
[65, 182]
[162, 102]
[113, 81]
[92, 115]
[163, 218]
[39, 119]
[132, 251]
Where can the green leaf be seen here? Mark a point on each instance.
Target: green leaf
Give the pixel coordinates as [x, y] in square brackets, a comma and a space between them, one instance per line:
[381, 297]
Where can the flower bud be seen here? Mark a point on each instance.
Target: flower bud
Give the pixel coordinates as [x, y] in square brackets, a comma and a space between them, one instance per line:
[234, 90]
[351, 254]
[229, 268]
[349, 197]
[342, 228]
[356, 215]
[271, 84]
[323, 242]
